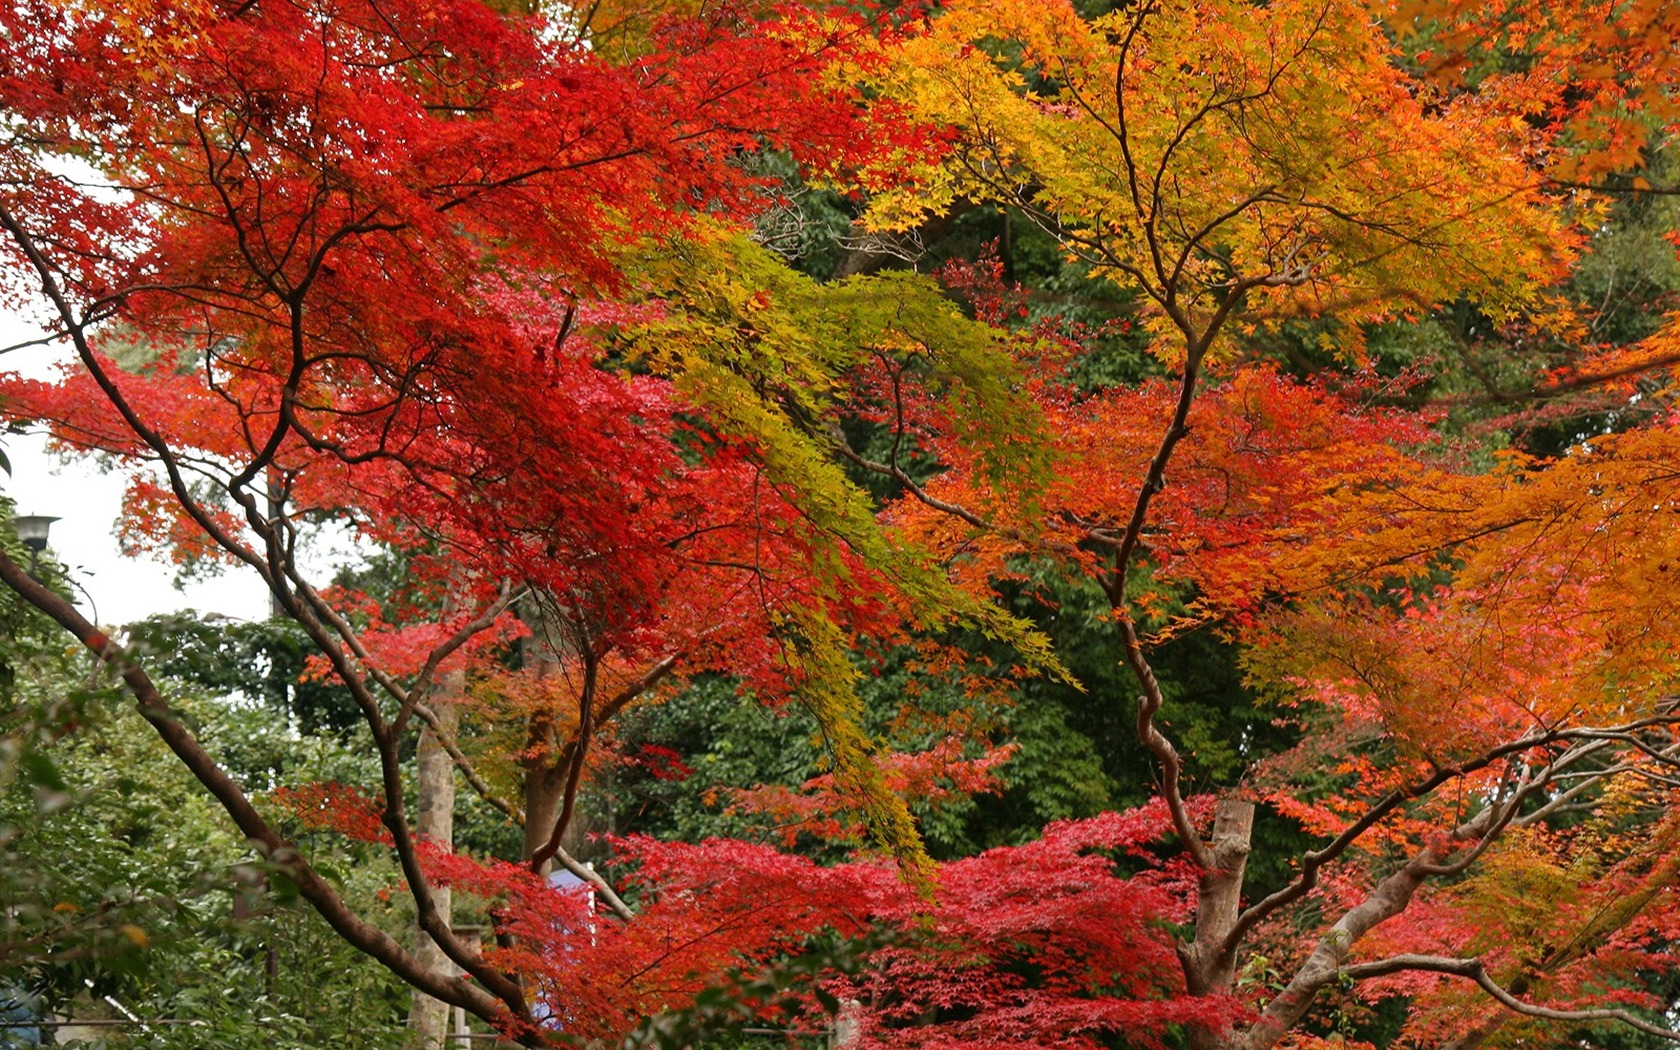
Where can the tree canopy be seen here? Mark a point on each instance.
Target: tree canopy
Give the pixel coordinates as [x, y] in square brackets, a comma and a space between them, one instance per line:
[1172, 549]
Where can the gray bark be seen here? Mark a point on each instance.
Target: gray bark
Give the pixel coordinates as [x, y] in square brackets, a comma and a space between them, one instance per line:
[434, 820]
[1391, 897]
[1208, 968]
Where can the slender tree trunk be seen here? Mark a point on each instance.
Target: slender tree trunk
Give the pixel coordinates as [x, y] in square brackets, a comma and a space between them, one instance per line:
[545, 780]
[434, 820]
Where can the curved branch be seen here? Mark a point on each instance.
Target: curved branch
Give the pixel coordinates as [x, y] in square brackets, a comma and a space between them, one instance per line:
[1394, 894]
[892, 470]
[1166, 755]
[1475, 971]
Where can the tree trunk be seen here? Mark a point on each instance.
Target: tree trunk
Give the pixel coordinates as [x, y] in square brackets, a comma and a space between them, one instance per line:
[545, 778]
[545, 788]
[1209, 969]
[546, 764]
[434, 820]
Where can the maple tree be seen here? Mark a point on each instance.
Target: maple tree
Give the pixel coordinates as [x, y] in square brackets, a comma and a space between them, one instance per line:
[1464, 665]
[471, 283]
[337, 278]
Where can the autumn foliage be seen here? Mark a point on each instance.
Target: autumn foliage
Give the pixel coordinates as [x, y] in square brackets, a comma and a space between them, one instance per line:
[477, 287]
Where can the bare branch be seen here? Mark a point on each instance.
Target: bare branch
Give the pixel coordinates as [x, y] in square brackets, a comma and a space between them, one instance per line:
[1390, 897]
[452, 748]
[600, 885]
[486, 617]
[1475, 971]
[922, 495]
[1313, 861]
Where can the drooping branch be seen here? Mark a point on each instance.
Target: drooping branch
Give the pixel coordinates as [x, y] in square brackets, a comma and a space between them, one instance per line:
[1476, 971]
[77, 330]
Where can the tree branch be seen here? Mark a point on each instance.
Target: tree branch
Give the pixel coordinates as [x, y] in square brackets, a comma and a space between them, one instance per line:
[1475, 971]
[600, 885]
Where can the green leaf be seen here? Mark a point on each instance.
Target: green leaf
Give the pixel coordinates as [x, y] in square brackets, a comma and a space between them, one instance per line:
[40, 771]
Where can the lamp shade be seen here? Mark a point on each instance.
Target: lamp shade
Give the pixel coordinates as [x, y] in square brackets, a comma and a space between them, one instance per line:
[32, 530]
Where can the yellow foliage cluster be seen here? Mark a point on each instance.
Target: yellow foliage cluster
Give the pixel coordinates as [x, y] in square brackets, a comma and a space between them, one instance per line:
[1195, 150]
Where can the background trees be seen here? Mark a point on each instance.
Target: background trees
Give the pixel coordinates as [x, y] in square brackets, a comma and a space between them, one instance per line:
[124, 886]
[473, 286]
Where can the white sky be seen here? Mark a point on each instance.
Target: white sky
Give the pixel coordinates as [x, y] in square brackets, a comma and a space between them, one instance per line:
[118, 589]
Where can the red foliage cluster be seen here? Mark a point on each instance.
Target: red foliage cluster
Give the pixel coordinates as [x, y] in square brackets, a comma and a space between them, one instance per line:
[1050, 944]
[820, 808]
[343, 808]
[351, 255]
